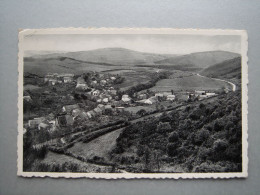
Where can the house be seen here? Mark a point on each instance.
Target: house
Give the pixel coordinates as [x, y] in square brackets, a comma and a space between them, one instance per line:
[99, 100]
[91, 114]
[151, 100]
[69, 108]
[76, 112]
[210, 94]
[199, 92]
[35, 122]
[95, 93]
[125, 98]
[105, 100]
[165, 94]
[93, 82]
[83, 115]
[50, 116]
[80, 80]
[113, 92]
[67, 79]
[53, 81]
[64, 120]
[113, 78]
[120, 109]
[171, 97]
[142, 96]
[27, 98]
[97, 111]
[103, 82]
[107, 107]
[52, 125]
[82, 86]
[43, 126]
[24, 130]
[101, 106]
[159, 94]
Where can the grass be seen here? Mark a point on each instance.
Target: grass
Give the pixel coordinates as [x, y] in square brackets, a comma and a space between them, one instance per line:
[59, 159]
[135, 109]
[101, 147]
[133, 78]
[188, 83]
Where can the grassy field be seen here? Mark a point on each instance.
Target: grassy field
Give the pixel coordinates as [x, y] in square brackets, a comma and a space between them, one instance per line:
[135, 109]
[30, 87]
[189, 83]
[59, 159]
[133, 78]
[100, 147]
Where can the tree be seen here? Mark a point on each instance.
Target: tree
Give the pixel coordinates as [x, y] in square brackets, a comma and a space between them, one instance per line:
[163, 127]
[141, 112]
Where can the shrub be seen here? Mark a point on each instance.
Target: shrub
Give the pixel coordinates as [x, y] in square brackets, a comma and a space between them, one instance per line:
[201, 136]
[163, 127]
[174, 136]
[220, 145]
[171, 149]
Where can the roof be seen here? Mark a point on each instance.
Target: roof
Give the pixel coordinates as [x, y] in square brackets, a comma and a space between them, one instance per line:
[100, 105]
[69, 108]
[108, 106]
[83, 115]
[97, 110]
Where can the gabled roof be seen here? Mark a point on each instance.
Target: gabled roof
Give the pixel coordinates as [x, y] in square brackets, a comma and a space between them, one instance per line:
[97, 110]
[69, 108]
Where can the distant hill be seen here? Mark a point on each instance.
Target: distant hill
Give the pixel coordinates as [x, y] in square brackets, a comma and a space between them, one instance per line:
[200, 59]
[119, 58]
[115, 56]
[227, 69]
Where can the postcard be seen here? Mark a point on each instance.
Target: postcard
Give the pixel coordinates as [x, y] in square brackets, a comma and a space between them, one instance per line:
[132, 103]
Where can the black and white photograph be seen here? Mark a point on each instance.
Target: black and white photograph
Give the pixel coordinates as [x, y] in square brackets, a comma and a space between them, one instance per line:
[132, 103]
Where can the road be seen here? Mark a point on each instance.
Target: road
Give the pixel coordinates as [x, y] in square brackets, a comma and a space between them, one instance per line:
[232, 84]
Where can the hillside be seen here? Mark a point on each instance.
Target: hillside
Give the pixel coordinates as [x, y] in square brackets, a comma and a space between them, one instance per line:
[202, 137]
[228, 69]
[200, 59]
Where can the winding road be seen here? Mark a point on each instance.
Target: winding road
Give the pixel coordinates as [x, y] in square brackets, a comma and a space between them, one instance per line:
[232, 84]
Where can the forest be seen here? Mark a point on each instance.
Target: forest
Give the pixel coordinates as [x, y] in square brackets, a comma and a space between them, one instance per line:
[205, 136]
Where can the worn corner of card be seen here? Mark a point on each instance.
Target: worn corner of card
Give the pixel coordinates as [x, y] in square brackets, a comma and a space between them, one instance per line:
[130, 103]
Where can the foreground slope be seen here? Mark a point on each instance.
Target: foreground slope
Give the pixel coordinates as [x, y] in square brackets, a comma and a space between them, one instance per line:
[202, 137]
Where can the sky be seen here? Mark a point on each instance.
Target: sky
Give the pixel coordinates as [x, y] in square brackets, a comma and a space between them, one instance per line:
[150, 43]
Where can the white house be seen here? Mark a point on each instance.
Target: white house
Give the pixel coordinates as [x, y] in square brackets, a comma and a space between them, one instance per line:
[67, 79]
[171, 97]
[105, 100]
[113, 78]
[125, 98]
[96, 93]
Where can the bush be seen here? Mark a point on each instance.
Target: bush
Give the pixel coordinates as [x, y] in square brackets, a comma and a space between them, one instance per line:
[174, 136]
[171, 149]
[163, 127]
[220, 145]
[201, 136]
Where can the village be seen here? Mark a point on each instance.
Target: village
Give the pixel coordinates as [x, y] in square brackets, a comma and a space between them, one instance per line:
[96, 99]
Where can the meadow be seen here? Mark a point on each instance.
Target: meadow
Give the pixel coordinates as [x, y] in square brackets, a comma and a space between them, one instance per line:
[193, 82]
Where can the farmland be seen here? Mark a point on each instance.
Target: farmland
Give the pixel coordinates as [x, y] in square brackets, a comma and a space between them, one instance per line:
[193, 82]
